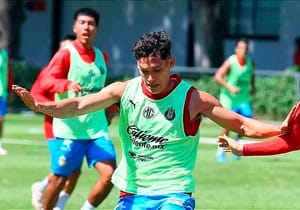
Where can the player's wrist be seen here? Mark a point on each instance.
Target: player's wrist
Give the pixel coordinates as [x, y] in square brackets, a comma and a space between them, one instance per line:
[38, 107]
[240, 148]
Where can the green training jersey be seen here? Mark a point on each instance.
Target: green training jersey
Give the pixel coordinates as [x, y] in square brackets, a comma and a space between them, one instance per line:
[238, 76]
[3, 73]
[157, 156]
[91, 77]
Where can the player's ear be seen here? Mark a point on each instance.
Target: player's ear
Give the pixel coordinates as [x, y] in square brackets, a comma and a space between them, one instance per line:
[172, 60]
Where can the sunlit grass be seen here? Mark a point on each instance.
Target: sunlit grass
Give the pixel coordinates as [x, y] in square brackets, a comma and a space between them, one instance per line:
[251, 183]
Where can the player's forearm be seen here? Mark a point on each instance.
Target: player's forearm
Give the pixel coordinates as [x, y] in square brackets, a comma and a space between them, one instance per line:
[257, 129]
[221, 81]
[63, 109]
[277, 145]
[76, 106]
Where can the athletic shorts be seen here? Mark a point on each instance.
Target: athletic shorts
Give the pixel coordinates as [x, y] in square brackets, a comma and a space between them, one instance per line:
[3, 106]
[173, 201]
[67, 155]
[244, 109]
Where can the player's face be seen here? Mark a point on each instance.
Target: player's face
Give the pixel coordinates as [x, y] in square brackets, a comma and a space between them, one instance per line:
[156, 73]
[85, 29]
[241, 49]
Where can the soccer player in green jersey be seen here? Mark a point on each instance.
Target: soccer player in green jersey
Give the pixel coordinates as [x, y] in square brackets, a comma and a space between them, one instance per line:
[236, 78]
[160, 115]
[79, 69]
[6, 80]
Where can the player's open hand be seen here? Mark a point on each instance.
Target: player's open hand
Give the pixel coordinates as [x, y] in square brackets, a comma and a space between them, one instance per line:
[24, 94]
[75, 86]
[230, 145]
[287, 124]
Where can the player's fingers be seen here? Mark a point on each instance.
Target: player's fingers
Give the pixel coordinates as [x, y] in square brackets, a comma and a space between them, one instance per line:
[227, 149]
[222, 142]
[287, 123]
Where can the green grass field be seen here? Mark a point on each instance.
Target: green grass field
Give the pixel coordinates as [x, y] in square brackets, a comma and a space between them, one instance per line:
[251, 183]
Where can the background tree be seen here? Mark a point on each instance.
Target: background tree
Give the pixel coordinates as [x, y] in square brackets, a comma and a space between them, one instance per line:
[206, 19]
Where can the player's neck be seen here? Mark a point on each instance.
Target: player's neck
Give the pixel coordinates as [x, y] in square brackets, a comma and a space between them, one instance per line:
[241, 60]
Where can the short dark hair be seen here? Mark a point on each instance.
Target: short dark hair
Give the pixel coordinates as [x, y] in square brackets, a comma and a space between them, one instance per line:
[152, 44]
[241, 40]
[68, 37]
[88, 12]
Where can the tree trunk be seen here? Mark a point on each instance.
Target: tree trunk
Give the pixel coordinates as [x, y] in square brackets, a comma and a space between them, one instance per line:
[207, 19]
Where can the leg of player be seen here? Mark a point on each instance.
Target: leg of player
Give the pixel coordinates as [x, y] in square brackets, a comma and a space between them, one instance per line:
[56, 184]
[2, 150]
[65, 194]
[37, 192]
[103, 185]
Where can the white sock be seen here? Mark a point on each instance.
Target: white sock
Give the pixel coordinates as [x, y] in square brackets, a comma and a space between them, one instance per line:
[43, 184]
[87, 206]
[62, 200]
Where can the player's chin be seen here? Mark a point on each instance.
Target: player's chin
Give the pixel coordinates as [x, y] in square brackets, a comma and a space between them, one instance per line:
[155, 89]
[85, 39]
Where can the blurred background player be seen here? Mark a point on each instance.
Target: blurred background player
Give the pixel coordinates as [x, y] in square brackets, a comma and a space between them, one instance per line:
[6, 81]
[39, 187]
[44, 95]
[295, 68]
[76, 70]
[296, 58]
[237, 80]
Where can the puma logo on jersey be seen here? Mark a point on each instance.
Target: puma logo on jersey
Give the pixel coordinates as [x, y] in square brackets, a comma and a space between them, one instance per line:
[133, 104]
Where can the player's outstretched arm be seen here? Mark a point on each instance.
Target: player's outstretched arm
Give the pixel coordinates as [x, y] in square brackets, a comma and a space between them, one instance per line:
[286, 142]
[206, 104]
[109, 95]
[27, 98]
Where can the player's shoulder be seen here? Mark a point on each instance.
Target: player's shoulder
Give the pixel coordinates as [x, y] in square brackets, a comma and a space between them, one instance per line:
[232, 58]
[203, 98]
[61, 54]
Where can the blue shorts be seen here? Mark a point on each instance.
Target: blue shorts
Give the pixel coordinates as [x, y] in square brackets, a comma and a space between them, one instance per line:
[67, 155]
[244, 109]
[173, 201]
[3, 106]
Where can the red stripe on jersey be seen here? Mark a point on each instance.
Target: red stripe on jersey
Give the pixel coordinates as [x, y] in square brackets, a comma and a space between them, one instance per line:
[191, 126]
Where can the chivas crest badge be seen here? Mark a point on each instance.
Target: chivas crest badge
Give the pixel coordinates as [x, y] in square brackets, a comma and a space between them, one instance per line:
[170, 113]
